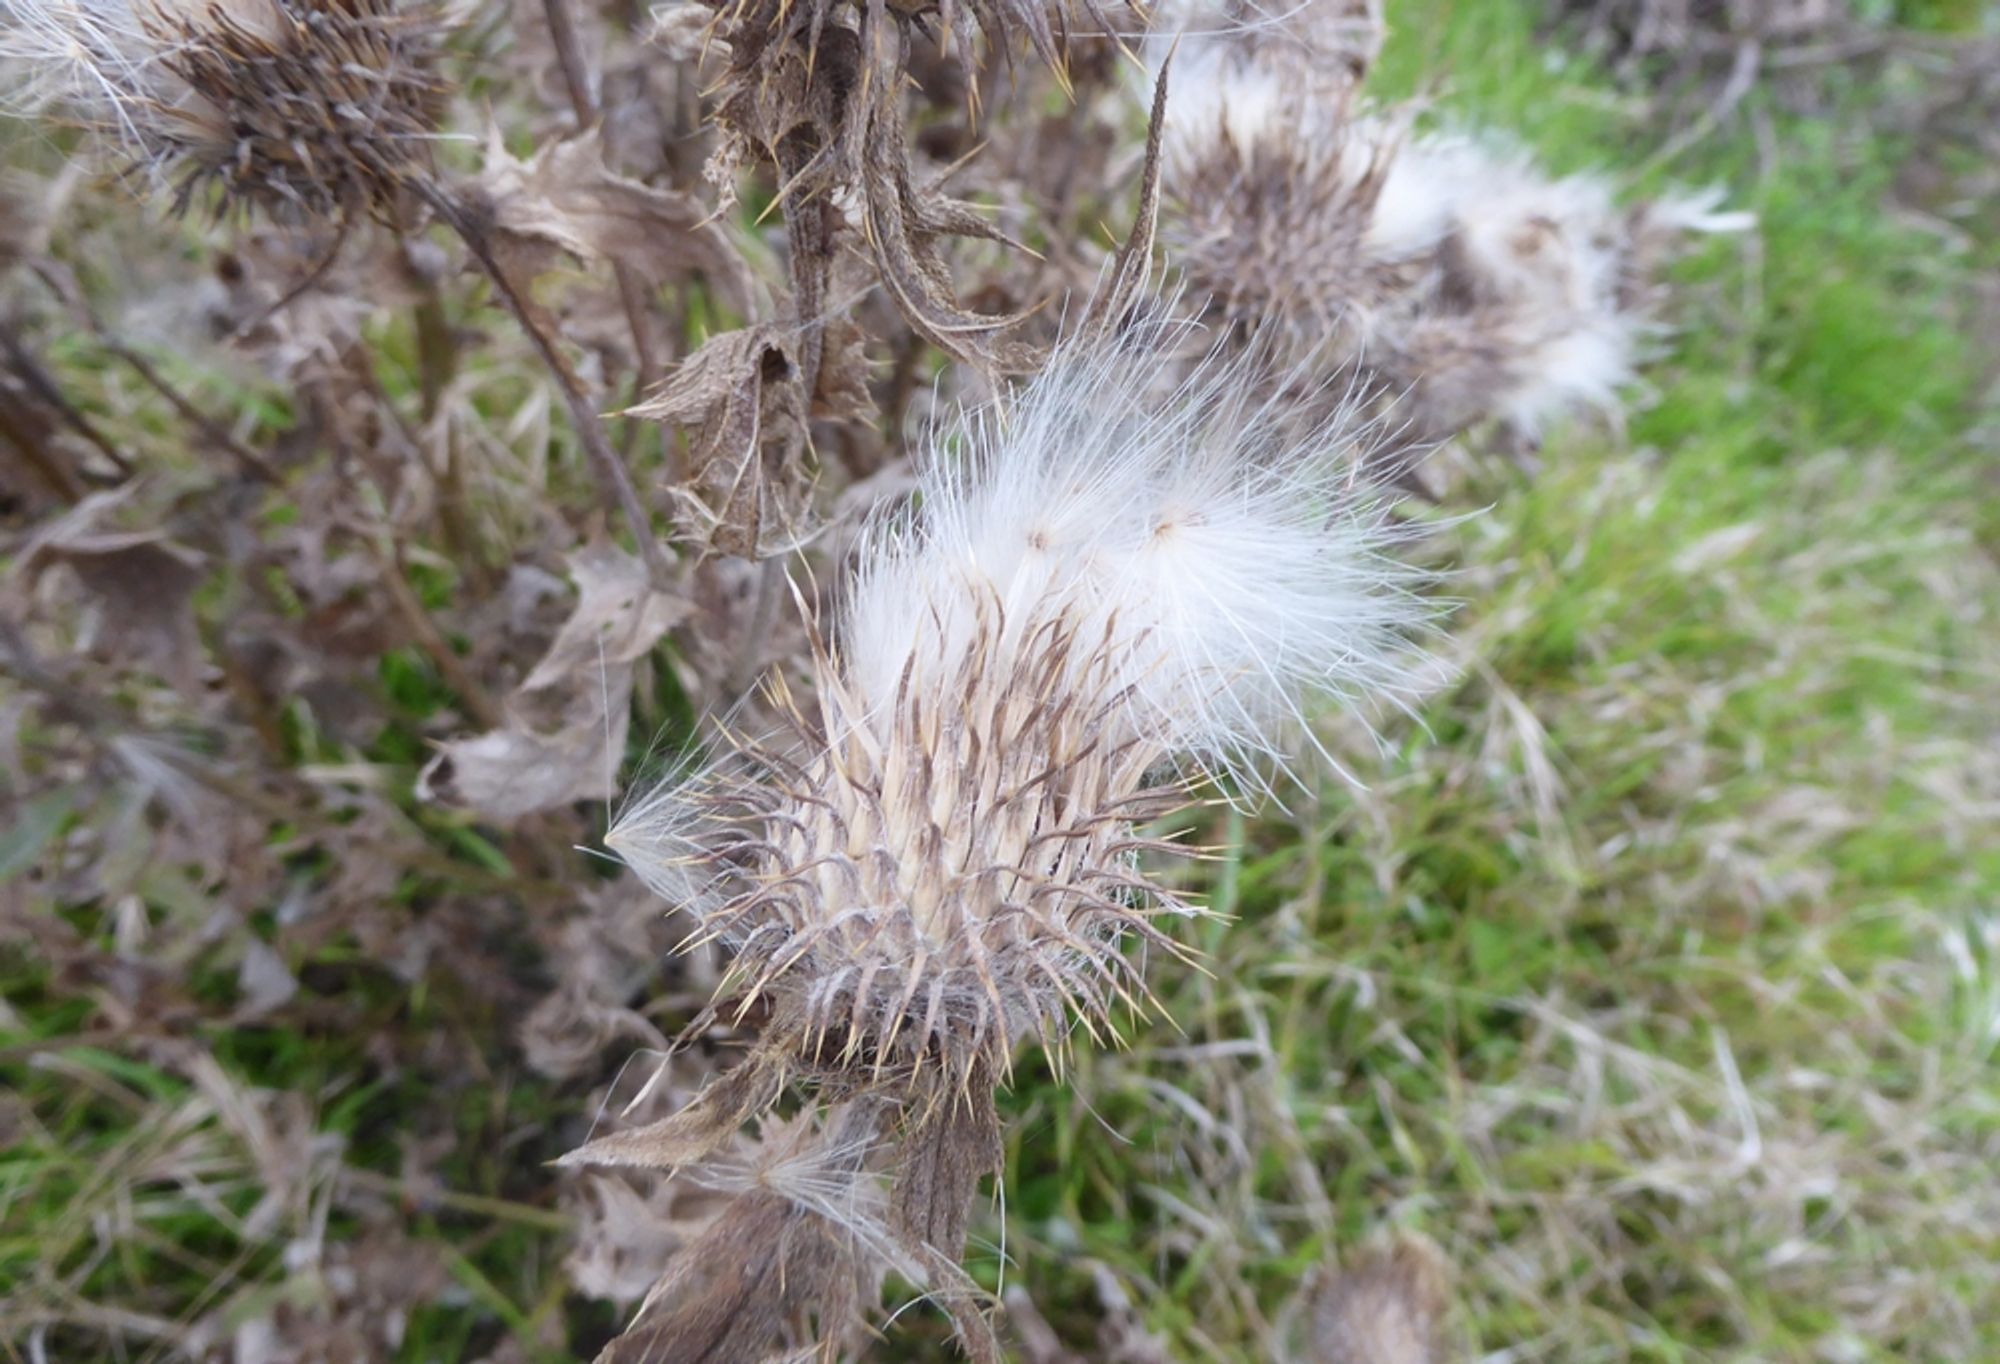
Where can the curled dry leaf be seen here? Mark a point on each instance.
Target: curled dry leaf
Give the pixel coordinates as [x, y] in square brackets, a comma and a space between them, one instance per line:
[629, 1223]
[565, 199]
[732, 1293]
[567, 720]
[742, 399]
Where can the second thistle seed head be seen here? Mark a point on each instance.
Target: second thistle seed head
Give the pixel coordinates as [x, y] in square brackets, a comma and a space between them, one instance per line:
[302, 108]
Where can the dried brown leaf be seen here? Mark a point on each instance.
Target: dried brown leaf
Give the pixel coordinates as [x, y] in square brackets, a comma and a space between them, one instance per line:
[763, 1267]
[565, 199]
[627, 1234]
[741, 397]
[566, 722]
[140, 585]
[697, 1131]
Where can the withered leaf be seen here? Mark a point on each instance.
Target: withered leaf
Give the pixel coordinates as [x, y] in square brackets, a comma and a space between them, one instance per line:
[565, 199]
[627, 1232]
[566, 722]
[741, 397]
[140, 583]
[711, 1118]
[764, 1263]
[619, 617]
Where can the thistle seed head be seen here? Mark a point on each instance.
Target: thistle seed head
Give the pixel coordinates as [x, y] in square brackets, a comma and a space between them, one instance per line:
[304, 108]
[1242, 67]
[1449, 273]
[1110, 588]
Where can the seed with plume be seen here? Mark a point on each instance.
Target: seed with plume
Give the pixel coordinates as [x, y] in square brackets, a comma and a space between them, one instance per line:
[305, 108]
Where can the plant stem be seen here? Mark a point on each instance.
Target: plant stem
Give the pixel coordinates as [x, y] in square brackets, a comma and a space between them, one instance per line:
[583, 415]
[576, 75]
[62, 282]
[39, 382]
[395, 578]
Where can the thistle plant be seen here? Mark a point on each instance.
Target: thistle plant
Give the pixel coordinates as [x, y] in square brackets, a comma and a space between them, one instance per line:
[1105, 593]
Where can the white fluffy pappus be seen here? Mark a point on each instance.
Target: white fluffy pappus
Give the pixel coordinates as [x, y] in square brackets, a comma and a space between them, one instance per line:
[1226, 567]
[105, 55]
[1553, 269]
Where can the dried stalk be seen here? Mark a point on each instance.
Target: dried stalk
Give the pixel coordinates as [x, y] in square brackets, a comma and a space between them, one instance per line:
[583, 415]
[631, 289]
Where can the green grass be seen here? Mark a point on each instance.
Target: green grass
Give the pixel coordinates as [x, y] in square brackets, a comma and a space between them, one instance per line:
[1654, 975]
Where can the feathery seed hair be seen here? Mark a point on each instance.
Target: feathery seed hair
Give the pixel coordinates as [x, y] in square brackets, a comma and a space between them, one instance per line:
[304, 108]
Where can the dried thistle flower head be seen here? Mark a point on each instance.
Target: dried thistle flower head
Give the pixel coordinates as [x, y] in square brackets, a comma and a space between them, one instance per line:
[1105, 589]
[1108, 583]
[305, 108]
[1535, 300]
